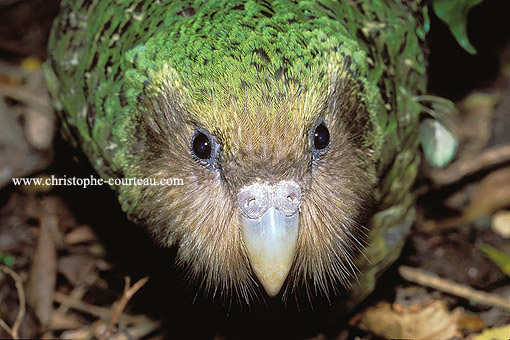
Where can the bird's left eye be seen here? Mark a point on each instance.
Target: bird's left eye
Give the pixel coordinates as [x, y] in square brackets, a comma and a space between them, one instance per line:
[321, 137]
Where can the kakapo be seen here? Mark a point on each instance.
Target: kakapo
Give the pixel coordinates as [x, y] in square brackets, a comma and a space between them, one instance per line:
[294, 126]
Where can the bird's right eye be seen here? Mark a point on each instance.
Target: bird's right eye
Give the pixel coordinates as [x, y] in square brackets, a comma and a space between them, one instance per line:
[202, 145]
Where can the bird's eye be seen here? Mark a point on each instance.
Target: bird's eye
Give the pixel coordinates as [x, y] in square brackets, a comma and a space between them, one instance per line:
[321, 137]
[202, 145]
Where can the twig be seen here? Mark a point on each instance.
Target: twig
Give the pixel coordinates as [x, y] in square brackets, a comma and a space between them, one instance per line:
[100, 312]
[121, 304]
[43, 270]
[26, 96]
[78, 293]
[461, 169]
[427, 279]
[13, 332]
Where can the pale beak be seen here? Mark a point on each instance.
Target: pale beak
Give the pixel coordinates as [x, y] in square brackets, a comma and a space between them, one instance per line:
[270, 221]
[271, 243]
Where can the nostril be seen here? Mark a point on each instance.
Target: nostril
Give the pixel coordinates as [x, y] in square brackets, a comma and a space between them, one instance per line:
[251, 201]
[254, 200]
[287, 197]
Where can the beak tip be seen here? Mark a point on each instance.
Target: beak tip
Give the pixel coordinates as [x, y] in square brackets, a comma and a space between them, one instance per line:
[272, 285]
[272, 292]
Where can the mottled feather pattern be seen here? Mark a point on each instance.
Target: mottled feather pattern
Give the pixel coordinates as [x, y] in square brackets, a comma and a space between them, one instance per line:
[134, 79]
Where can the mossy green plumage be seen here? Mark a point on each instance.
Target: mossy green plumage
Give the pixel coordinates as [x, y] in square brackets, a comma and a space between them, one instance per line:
[109, 59]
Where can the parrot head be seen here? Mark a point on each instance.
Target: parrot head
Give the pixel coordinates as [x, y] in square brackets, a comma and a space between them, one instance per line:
[276, 167]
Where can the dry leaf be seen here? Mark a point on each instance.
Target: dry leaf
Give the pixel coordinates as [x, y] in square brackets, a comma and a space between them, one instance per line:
[432, 321]
[492, 194]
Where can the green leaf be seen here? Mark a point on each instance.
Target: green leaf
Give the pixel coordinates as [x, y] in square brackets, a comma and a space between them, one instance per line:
[454, 14]
[500, 258]
[438, 142]
[7, 259]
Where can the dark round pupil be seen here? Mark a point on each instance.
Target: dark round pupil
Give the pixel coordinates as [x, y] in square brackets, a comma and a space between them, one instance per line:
[321, 137]
[201, 146]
